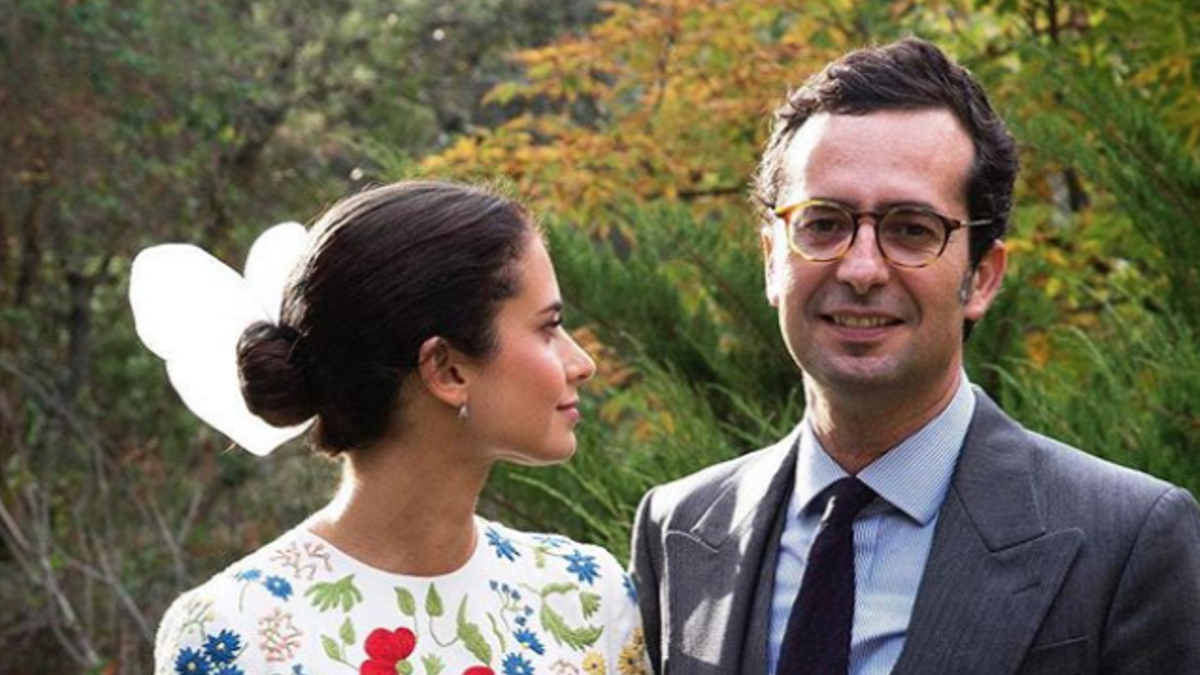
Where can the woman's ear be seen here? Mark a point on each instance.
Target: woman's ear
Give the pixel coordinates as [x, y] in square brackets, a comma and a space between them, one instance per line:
[444, 371]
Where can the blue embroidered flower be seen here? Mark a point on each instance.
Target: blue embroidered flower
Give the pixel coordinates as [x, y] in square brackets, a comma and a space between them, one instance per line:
[583, 566]
[515, 664]
[222, 647]
[191, 662]
[529, 640]
[249, 575]
[521, 620]
[298, 669]
[229, 669]
[630, 589]
[504, 547]
[279, 587]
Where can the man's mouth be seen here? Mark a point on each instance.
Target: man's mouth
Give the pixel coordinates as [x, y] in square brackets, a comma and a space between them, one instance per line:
[859, 321]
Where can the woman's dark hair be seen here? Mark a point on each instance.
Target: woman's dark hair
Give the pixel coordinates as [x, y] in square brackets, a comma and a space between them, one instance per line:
[387, 269]
[910, 74]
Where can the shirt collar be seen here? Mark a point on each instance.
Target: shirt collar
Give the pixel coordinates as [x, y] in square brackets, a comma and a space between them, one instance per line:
[913, 476]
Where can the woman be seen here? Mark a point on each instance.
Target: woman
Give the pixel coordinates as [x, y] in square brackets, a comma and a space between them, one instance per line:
[422, 330]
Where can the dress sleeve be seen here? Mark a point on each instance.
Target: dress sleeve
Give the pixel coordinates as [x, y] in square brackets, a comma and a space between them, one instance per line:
[202, 633]
[626, 643]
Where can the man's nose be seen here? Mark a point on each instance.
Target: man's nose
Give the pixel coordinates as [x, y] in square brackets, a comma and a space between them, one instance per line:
[864, 267]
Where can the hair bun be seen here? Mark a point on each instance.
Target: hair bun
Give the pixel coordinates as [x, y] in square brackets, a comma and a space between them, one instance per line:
[272, 378]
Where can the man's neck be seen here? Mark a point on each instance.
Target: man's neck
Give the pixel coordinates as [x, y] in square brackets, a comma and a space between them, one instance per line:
[856, 430]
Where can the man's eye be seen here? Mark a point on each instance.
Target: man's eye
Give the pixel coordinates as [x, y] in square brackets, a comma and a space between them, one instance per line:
[824, 225]
[915, 230]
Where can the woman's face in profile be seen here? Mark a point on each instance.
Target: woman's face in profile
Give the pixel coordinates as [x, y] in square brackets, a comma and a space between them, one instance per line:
[524, 398]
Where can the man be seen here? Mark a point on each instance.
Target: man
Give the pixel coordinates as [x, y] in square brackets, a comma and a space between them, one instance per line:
[972, 546]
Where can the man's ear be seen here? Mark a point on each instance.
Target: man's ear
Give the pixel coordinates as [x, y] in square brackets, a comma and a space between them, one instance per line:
[766, 238]
[986, 281]
[444, 371]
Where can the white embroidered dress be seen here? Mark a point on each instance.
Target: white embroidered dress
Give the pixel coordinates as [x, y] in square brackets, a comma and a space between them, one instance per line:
[524, 604]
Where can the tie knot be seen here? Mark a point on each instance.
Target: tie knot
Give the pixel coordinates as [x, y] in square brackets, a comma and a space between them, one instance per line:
[847, 497]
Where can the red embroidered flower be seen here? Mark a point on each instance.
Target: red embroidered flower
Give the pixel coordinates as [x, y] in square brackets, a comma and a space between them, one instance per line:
[478, 670]
[387, 648]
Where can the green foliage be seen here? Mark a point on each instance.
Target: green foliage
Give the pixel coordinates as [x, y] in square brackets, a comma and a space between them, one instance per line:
[686, 291]
[692, 369]
[1134, 403]
[129, 122]
[1147, 167]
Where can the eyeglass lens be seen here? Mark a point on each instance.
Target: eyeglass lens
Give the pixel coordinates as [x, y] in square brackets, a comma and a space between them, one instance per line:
[907, 236]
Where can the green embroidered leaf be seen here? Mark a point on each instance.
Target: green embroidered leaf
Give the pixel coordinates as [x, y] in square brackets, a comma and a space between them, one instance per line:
[539, 557]
[404, 667]
[498, 633]
[471, 636]
[590, 603]
[347, 632]
[406, 601]
[332, 649]
[575, 638]
[433, 602]
[552, 589]
[433, 664]
[328, 594]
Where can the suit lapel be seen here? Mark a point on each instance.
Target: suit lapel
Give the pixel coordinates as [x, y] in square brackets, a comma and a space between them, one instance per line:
[993, 569]
[717, 629]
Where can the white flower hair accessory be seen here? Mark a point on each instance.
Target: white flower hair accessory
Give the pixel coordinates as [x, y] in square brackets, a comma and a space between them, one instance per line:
[190, 309]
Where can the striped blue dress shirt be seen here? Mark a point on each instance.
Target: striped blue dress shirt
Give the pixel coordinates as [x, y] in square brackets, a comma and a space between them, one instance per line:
[892, 536]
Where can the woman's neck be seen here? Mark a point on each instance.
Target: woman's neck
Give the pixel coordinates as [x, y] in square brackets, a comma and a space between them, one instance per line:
[405, 508]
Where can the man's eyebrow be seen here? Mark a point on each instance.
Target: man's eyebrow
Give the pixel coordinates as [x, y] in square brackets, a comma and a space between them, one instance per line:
[882, 206]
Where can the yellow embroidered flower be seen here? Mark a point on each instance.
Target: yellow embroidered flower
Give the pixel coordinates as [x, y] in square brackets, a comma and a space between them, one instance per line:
[632, 659]
[593, 664]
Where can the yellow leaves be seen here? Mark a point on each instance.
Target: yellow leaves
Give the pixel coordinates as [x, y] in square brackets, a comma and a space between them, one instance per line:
[611, 369]
[1037, 348]
[662, 99]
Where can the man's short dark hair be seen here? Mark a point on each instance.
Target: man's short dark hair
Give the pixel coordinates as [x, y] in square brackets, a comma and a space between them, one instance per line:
[910, 74]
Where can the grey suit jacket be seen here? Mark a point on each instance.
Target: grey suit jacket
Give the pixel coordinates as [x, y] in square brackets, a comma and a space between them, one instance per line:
[1044, 560]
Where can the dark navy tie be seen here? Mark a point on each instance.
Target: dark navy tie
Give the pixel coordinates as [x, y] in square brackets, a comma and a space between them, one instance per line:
[817, 641]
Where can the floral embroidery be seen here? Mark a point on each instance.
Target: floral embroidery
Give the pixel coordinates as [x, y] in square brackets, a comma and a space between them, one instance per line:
[515, 664]
[529, 640]
[216, 657]
[525, 605]
[223, 647]
[279, 587]
[593, 663]
[280, 637]
[504, 547]
[583, 566]
[387, 649]
[632, 660]
[276, 585]
[304, 560]
[630, 589]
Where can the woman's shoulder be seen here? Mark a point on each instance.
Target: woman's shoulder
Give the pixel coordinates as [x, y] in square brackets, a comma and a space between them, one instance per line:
[212, 624]
[555, 559]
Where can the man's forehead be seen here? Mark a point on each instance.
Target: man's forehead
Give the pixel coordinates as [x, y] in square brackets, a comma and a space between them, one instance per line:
[912, 149]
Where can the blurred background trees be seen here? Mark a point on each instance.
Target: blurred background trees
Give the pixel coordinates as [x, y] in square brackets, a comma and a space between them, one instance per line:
[632, 128]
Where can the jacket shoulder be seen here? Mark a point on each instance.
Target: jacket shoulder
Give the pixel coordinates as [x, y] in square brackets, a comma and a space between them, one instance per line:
[685, 499]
